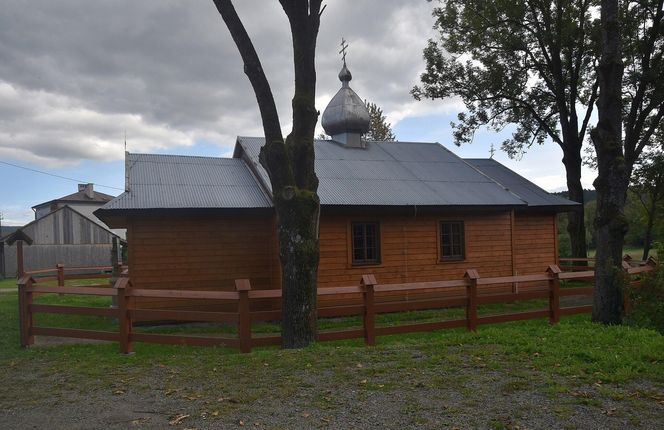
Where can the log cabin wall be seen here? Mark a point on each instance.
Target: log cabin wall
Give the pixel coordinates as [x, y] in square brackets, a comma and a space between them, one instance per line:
[410, 248]
[535, 240]
[201, 253]
[210, 252]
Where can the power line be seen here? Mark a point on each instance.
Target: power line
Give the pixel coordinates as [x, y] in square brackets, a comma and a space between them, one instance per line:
[58, 176]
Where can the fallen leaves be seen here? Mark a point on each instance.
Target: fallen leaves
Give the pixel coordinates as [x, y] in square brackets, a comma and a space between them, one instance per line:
[177, 419]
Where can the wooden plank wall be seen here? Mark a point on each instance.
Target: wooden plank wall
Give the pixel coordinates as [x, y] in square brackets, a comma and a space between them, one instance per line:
[38, 257]
[209, 253]
[201, 253]
[535, 242]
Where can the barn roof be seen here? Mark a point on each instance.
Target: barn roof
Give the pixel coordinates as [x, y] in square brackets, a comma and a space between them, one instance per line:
[392, 174]
[534, 195]
[178, 181]
[79, 197]
[382, 174]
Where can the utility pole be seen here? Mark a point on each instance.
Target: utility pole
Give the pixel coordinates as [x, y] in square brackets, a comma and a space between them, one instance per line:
[3, 275]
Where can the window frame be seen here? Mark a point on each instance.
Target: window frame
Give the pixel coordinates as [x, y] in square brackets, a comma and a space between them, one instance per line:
[442, 258]
[351, 247]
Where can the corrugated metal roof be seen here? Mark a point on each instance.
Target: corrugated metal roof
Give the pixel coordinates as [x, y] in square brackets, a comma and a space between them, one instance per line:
[394, 174]
[534, 195]
[178, 182]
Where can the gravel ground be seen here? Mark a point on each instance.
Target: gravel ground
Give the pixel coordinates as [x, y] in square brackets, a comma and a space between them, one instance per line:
[466, 396]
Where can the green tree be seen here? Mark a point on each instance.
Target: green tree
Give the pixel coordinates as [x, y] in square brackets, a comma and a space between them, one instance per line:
[523, 62]
[290, 163]
[648, 186]
[630, 104]
[379, 128]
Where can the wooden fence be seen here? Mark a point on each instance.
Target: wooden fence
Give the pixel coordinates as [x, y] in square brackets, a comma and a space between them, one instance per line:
[60, 273]
[468, 293]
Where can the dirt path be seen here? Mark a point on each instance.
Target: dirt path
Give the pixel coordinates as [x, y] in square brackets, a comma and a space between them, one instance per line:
[462, 395]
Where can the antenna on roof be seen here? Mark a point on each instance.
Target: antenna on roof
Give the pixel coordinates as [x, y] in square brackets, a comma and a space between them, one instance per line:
[344, 46]
[125, 140]
[492, 151]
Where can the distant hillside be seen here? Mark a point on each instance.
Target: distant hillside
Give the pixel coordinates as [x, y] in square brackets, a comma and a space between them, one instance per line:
[588, 195]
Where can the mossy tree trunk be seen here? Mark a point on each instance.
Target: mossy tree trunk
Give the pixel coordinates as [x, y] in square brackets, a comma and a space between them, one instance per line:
[290, 164]
[613, 176]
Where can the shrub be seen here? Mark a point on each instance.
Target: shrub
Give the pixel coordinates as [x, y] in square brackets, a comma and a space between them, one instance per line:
[647, 302]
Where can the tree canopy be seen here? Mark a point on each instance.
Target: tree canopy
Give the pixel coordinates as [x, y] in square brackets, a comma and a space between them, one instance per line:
[379, 128]
[524, 62]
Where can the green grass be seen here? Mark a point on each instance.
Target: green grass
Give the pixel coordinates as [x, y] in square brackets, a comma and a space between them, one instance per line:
[7, 283]
[573, 348]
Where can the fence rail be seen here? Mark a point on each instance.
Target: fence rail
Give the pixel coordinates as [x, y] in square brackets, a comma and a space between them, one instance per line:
[468, 293]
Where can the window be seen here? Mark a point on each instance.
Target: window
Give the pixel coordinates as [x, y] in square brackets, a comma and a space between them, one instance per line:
[452, 241]
[365, 242]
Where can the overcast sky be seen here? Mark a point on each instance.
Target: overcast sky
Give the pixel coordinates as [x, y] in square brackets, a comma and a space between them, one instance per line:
[76, 75]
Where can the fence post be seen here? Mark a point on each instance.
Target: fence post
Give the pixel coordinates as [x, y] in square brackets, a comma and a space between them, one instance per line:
[60, 268]
[554, 293]
[123, 289]
[20, 267]
[368, 282]
[242, 286]
[24, 311]
[471, 293]
[651, 261]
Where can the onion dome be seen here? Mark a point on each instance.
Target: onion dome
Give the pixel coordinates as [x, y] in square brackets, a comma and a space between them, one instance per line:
[346, 117]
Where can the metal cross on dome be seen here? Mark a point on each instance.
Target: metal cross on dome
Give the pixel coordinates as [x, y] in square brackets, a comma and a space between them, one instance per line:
[344, 46]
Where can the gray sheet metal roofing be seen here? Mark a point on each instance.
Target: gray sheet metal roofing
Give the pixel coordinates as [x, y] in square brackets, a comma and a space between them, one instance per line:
[394, 174]
[534, 195]
[175, 181]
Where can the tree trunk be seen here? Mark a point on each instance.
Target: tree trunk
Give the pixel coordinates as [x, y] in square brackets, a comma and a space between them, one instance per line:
[298, 213]
[576, 226]
[647, 242]
[612, 180]
[290, 164]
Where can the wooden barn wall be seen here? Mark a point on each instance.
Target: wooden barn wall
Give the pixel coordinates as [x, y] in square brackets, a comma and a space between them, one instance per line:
[37, 257]
[534, 241]
[211, 252]
[410, 249]
[66, 227]
[201, 253]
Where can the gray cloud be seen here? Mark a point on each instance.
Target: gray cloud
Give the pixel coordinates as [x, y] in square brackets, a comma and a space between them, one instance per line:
[75, 74]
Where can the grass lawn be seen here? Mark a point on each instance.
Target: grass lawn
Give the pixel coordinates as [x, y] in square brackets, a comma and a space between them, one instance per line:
[522, 374]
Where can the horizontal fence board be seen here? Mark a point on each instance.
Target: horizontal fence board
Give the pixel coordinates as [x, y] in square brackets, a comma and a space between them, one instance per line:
[176, 339]
[512, 297]
[576, 310]
[74, 310]
[329, 291]
[340, 311]
[518, 316]
[265, 341]
[77, 269]
[420, 286]
[86, 291]
[428, 326]
[577, 275]
[512, 279]
[265, 294]
[340, 334]
[178, 315]
[184, 294]
[420, 304]
[640, 269]
[89, 276]
[77, 333]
